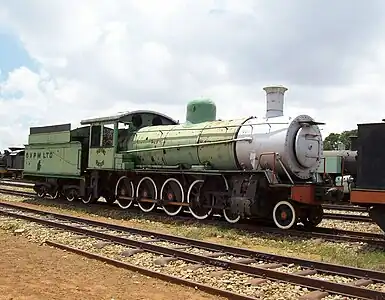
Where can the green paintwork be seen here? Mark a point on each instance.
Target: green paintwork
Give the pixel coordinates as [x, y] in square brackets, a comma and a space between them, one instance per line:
[333, 165]
[218, 156]
[200, 143]
[49, 138]
[101, 158]
[109, 157]
[53, 159]
[55, 175]
[201, 110]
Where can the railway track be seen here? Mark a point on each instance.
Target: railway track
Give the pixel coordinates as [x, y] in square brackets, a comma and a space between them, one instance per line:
[329, 234]
[258, 268]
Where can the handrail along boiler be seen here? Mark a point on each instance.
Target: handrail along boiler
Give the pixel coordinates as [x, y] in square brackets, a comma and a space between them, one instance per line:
[250, 167]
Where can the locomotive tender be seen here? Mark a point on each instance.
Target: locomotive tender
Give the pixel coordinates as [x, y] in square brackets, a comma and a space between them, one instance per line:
[251, 167]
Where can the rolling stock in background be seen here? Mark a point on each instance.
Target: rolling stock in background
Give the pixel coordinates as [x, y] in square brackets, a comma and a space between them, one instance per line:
[369, 190]
[12, 162]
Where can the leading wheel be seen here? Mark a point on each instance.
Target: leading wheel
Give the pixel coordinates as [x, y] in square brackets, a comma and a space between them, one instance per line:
[172, 191]
[124, 190]
[145, 191]
[314, 216]
[284, 215]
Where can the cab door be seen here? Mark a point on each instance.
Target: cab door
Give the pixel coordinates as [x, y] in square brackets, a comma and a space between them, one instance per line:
[101, 154]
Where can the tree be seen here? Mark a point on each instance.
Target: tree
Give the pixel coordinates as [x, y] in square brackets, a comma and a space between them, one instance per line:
[332, 140]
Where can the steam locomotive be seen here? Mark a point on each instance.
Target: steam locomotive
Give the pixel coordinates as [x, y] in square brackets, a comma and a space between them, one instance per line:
[253, 167]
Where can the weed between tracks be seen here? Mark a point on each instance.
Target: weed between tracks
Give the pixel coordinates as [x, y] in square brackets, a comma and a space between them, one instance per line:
[341, 253]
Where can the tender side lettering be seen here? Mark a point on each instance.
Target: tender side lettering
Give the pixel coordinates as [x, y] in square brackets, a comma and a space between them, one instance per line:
[39, 155]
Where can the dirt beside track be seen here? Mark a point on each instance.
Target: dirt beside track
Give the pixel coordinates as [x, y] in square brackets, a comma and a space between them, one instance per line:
[32, 271]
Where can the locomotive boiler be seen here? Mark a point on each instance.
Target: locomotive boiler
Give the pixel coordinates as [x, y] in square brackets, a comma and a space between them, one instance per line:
[240, 144]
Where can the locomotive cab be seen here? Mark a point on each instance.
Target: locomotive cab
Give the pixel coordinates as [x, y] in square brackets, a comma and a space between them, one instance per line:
[110, 136]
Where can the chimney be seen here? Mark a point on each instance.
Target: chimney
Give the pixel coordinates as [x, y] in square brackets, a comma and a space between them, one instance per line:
[274, 100]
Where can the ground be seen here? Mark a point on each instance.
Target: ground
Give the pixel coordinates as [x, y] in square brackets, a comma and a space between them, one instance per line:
[32, 271]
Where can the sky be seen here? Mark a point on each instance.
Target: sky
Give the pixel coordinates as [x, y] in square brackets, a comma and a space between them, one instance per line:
[62, 61]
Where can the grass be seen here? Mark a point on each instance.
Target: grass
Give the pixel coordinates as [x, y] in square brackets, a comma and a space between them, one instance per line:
[340, 253]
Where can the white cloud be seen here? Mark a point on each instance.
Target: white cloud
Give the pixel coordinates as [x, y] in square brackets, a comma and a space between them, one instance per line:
[101, 57]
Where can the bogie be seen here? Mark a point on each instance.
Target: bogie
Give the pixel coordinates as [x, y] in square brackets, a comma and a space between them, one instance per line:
[312, 216]
[285, 214]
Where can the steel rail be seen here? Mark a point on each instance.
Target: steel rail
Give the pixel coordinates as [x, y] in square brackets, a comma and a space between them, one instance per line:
[17, 193]
[344, 217]
[346, 207]
[20, 184]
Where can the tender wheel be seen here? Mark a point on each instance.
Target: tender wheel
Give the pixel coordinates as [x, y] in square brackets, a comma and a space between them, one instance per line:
[124, 188]
[146, 190]
[314, 216]
[196, 203]
[54, 194]
[284, 215]
[230, 216]
[172, 191]
[88, 199]
[41, 192]
[71, 195]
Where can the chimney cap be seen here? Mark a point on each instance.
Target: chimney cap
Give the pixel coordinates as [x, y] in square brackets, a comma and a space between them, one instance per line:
[275, 88]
